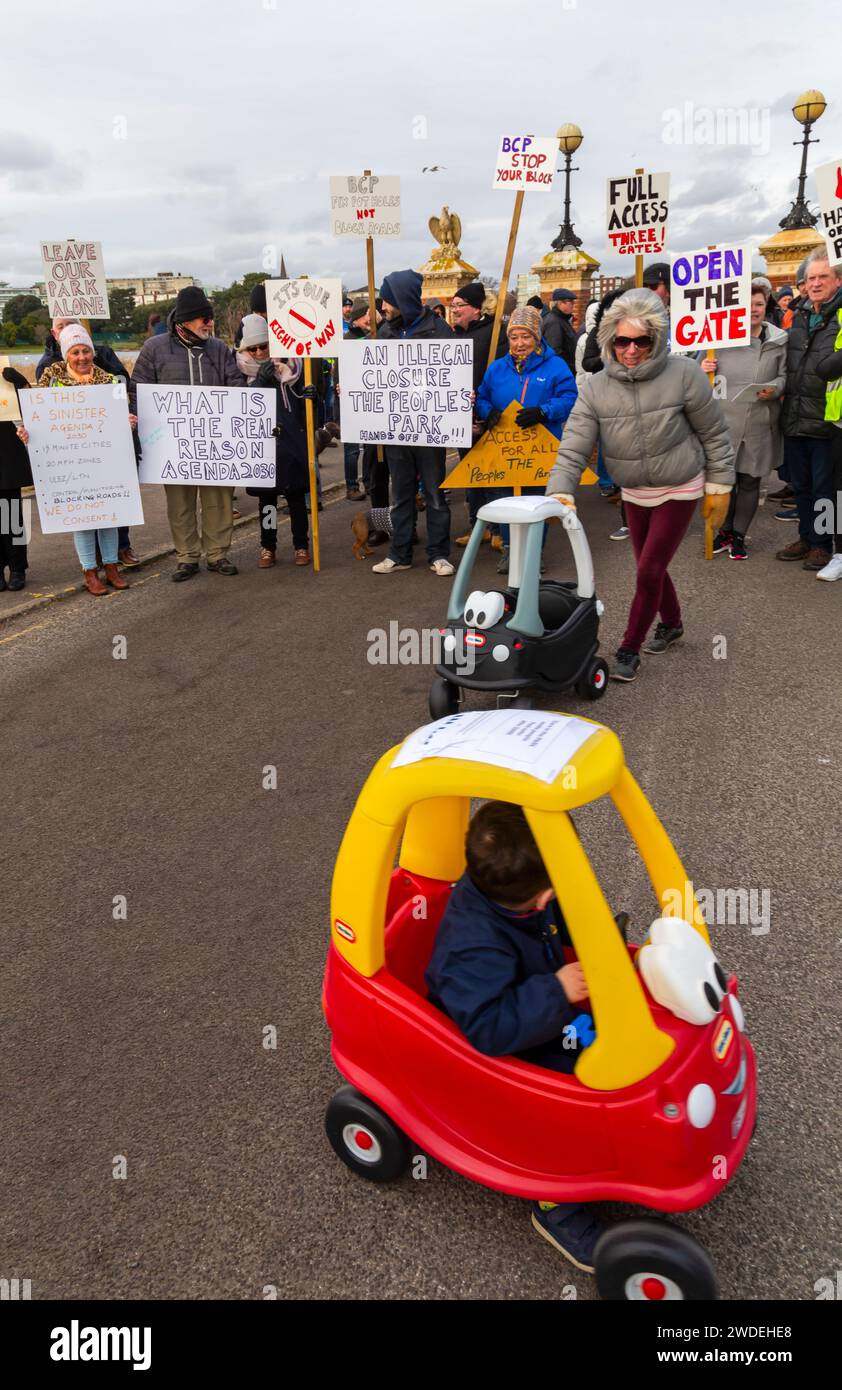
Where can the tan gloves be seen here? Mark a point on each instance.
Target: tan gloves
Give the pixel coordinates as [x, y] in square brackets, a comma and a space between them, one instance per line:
[715, 508]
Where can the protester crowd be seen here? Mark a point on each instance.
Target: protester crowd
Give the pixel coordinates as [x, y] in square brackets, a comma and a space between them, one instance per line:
[665, 431]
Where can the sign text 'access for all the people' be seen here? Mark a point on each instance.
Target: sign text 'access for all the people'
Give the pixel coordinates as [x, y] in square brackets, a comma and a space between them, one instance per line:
[710, 298]
[526, 162]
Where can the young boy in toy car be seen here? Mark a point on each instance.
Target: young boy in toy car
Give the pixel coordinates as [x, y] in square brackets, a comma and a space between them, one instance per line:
[498, 970]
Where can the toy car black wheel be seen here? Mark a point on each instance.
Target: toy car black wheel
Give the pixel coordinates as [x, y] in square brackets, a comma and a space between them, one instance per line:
[654, 1262]
[444, 698]
[593, 684]
[364, 1138]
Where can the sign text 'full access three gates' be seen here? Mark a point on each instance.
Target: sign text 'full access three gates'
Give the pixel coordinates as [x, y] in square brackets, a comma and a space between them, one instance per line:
[710, 298]
[636, 214]
[413, 391]
[74, 279]
[82, 457]
[214, 436]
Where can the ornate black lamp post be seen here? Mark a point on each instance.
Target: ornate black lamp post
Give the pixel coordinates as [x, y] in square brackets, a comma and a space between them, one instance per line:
[569, 139]
[807, 109]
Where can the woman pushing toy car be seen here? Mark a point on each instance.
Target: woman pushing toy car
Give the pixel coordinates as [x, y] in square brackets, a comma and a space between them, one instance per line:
[665, 443]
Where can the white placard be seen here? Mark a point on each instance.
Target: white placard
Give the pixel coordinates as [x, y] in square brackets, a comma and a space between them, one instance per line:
[636, 214]
[365, 205]
[710, 298]
[305, 317]
[537, 742]
[74, 278]
[82, 456]
[9, 408]
[829, 188]
[526, 162]
[216, 436]
[407, 391]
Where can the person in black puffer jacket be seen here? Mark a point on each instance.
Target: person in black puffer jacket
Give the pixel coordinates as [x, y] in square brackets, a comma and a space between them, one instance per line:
[15, 473]
[807, 435]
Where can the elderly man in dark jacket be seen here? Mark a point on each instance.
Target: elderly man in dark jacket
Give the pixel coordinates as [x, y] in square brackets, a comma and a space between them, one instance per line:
[188, 355]
[807, 435]
[559, 332]
[406, 317]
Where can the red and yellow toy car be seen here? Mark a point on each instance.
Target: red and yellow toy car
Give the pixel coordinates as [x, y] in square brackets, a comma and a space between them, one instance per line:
[661, 1107]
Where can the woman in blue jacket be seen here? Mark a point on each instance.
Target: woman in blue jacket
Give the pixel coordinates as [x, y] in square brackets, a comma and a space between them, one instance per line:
[539, 381]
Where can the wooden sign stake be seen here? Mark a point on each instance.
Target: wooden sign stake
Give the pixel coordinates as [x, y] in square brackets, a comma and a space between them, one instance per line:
[372, 306]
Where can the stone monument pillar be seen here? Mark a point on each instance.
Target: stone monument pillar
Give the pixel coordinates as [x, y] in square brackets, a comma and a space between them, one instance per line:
[446, 272]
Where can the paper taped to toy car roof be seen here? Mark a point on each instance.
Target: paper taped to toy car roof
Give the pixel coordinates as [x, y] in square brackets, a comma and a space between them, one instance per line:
[538, 743]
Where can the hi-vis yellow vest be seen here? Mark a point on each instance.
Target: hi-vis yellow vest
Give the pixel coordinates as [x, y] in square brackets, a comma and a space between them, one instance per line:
[833, 404]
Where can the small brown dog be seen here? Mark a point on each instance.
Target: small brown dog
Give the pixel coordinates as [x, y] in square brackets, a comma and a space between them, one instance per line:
[370, 528]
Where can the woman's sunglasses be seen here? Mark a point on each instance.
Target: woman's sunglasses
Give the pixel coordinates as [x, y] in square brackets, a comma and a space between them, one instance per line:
[643, 343]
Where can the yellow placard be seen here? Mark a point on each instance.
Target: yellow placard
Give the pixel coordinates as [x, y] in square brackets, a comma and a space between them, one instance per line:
[506, 456]
[9, 408]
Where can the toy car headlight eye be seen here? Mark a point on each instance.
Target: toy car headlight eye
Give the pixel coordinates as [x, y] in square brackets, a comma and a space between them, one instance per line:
[712, 997]
[721, 978]
[483, 610]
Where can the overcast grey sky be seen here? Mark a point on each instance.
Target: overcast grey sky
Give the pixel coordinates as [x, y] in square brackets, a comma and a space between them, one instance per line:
[188, 135]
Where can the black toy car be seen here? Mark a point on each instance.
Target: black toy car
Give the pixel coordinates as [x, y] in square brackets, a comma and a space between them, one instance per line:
[538, 634]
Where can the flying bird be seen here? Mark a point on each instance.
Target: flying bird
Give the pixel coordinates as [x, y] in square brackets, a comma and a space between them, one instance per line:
[433, 168]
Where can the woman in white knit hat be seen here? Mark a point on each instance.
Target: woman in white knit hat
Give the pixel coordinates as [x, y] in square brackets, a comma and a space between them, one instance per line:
[77, 369]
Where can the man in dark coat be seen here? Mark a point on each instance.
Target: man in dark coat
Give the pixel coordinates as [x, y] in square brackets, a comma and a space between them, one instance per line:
[807, 435]
[559, 332]
[188, 355]
[406, 317]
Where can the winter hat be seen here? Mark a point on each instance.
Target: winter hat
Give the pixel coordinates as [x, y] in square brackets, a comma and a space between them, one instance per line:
[72, 336]
[359, 308]
[562, 294]
[785, 289]
[257, 298]
[192, 303]
[473, 294]
[255, 331]
[528, 318]
[536, 302]
[761, 282]
[801, 273]
[657, 274]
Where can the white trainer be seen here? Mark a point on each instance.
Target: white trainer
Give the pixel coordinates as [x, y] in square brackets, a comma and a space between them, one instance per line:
[388, 566]
[442, 567]
[833, 568]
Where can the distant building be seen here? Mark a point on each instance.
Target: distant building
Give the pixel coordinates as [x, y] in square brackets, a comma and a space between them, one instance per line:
[152, 289]
[527, 287]
[604, 284]
[8, 292]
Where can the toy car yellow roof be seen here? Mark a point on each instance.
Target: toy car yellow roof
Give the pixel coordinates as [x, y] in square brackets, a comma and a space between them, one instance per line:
[417, 801]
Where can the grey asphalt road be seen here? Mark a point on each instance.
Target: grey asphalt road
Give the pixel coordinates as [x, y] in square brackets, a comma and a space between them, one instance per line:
[143, 1038]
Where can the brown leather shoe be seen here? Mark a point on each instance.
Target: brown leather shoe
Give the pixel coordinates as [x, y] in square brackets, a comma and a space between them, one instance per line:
[266, 558]
[93, 583]
[115, 578]
[799, 550]
[302, 557]
[127, 557]
[816, 560]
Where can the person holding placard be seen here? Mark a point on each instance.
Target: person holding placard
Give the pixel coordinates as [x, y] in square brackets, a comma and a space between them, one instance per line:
[291, 463]
[754, 379]
[189, 355]
[533, 376]
[77, 368]
[472, 313]
[15, 473]
[665, 442]
[404, 316]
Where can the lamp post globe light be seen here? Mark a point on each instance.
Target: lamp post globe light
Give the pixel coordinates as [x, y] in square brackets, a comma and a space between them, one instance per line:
[569, 139]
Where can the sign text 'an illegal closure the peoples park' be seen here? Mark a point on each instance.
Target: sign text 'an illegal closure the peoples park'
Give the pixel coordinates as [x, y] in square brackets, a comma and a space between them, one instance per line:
[710, 298]
[407, 391]
[216, 436]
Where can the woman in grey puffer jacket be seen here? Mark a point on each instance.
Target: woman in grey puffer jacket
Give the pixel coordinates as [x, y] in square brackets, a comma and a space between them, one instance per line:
[664, 442]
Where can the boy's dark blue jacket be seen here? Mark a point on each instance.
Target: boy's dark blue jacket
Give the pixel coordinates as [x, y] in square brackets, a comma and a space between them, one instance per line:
[493, 972]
